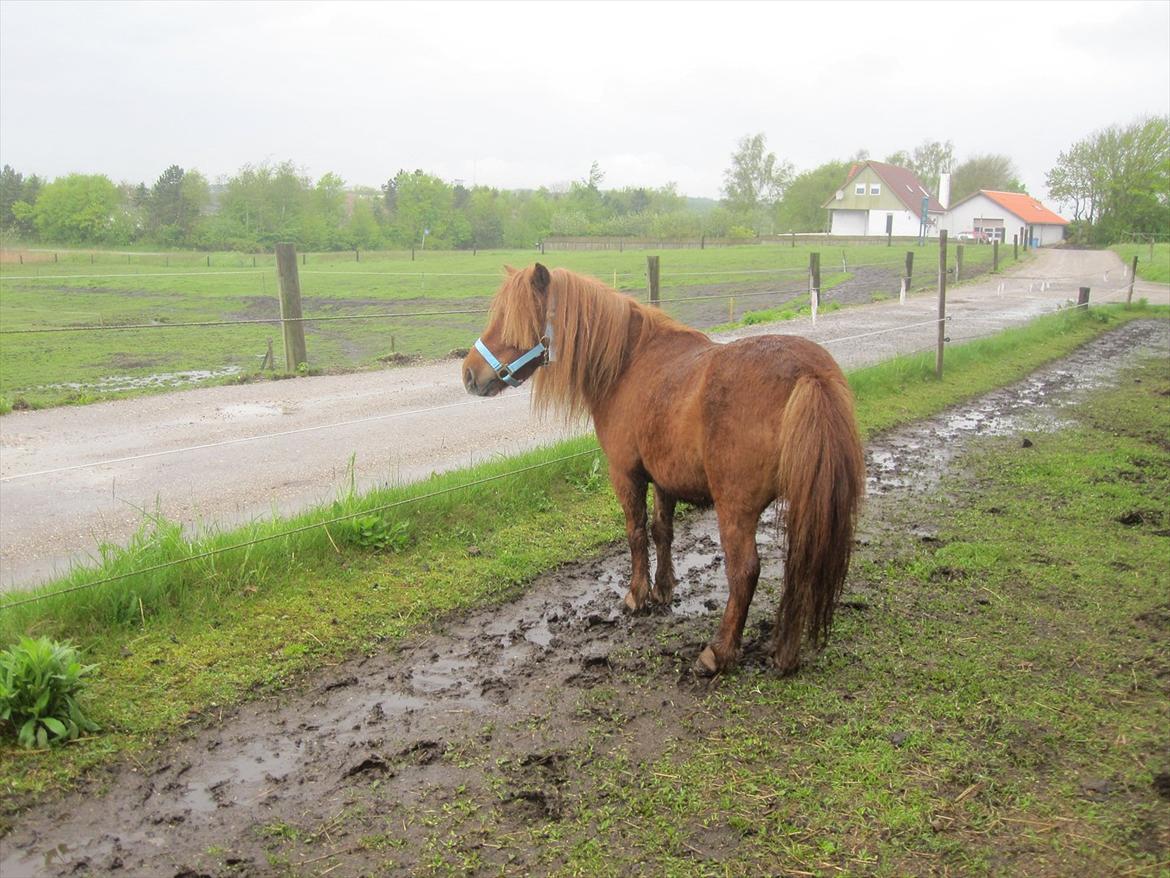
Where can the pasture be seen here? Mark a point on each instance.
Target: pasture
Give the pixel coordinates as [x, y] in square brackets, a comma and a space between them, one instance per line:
[448, 291]
[968, 743]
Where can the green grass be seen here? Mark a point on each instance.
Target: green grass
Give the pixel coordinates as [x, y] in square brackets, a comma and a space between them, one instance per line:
[1153, 262]
[997, 709]
[222, 628]
[129, 289]
[992, 703]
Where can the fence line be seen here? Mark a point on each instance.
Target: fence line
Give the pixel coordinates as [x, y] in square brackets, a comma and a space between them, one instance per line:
[377, 509]
[118, 327]
[4, 277]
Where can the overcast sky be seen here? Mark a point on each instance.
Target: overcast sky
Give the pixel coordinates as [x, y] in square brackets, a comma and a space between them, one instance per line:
[519, 95]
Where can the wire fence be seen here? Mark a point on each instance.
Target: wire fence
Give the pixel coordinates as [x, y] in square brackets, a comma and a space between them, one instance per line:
[333, 520]
[337, 519]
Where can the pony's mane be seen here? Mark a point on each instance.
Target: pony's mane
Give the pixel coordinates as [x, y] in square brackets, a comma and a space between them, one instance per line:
[592, 337]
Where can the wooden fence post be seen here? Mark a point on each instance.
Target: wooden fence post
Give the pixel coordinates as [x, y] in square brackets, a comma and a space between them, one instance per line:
[942, 302]
[1132, 278]
[1083, 298]
[995, 256]
[1015, 246]
[290, 307]
[652, 267]
[958, 262]
[814, 283]
[907, 277]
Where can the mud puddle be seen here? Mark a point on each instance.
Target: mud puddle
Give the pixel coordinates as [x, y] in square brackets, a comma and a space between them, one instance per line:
[349, 770]
[168, 380]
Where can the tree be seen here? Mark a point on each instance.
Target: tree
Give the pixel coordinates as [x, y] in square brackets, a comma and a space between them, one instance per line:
[78, 209]
[755, 182]
[900, 159]
[18, 194]
[990, 171]
[801, 208]
[175, 204]
[1117, 179]
[931, 160]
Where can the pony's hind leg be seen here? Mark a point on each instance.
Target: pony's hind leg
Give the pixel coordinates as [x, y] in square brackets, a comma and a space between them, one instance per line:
[662, 529]
[737, 532]
[631, 493]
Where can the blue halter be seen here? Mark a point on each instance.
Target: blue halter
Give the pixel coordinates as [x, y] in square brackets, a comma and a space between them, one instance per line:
[506, 372]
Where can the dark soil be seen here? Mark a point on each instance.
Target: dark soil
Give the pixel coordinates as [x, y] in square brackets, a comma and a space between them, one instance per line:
[501, 692]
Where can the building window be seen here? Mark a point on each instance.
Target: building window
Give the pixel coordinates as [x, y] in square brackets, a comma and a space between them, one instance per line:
[875, 188]
[859, 189]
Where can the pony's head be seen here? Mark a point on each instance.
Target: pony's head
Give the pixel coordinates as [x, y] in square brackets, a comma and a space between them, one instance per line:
[515, 342]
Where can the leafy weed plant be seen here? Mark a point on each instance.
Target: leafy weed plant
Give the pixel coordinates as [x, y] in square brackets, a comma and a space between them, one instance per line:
[40, 681]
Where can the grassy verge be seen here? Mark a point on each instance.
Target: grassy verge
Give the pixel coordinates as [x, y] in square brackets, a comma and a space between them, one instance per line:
[994, 703]
[1153, 262]
[180, 641]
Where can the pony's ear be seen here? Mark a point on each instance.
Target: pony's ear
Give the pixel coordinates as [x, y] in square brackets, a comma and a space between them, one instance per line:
[540, 278]
[509, 269]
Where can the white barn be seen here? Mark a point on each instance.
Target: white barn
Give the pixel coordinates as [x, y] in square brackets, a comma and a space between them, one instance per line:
[997, 216]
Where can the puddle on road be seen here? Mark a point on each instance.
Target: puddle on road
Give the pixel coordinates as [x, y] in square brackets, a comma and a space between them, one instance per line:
[915, 457]
[116, 383]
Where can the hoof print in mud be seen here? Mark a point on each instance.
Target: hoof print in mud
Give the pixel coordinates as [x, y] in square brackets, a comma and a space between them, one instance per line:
[374, 764]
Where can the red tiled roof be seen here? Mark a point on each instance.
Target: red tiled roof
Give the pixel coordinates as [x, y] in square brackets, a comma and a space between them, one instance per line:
[1024, 206]
[902, 183]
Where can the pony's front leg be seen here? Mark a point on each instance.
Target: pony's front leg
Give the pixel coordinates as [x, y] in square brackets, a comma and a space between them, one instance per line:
[737, 532]
[662, 529]
[631, 493]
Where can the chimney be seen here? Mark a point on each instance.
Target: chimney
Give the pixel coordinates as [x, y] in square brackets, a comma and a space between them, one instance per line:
[944, 190]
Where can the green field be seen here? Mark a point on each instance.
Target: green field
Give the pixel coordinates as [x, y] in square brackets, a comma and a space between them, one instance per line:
[1153, 261]
[162, 290]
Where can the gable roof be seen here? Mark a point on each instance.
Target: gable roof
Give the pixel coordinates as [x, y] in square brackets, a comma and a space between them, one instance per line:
[1022, 205]
[901, 182]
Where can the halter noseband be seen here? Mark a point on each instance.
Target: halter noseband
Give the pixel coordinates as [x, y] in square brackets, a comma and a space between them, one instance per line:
[542, 350]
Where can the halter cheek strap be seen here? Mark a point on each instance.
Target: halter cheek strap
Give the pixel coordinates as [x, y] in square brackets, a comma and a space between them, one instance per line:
[542, 350]
[506, 371]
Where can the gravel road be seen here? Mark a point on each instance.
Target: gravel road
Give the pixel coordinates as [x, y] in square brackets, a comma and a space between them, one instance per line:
[72, 479]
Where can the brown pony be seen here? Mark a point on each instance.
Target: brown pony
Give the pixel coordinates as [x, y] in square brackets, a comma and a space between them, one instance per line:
[739, 425]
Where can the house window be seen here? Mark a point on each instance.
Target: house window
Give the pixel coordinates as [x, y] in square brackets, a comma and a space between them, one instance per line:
[875, 188]
[859, 189]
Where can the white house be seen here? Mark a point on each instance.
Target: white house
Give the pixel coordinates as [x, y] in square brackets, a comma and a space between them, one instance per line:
[1000, 215]
[879, 199]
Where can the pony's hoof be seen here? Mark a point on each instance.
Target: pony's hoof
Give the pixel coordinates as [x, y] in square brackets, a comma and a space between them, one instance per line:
[660, 601]
[631, 603]
[706, 665]
[786, 667]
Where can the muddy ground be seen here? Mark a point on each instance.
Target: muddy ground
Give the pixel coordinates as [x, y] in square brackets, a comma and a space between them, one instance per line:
[486, 708]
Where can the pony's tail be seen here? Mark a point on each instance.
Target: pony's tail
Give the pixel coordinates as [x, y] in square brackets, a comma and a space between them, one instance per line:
[822, 478]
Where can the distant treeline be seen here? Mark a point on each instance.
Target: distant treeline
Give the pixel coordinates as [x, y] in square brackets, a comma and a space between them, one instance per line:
[264, 204]
[1116, 180]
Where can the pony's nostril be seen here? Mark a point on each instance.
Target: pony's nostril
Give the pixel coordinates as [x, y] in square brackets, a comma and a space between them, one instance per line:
[468, 379]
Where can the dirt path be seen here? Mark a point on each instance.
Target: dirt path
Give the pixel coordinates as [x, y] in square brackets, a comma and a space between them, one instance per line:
[484, 712]
[287, 445]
